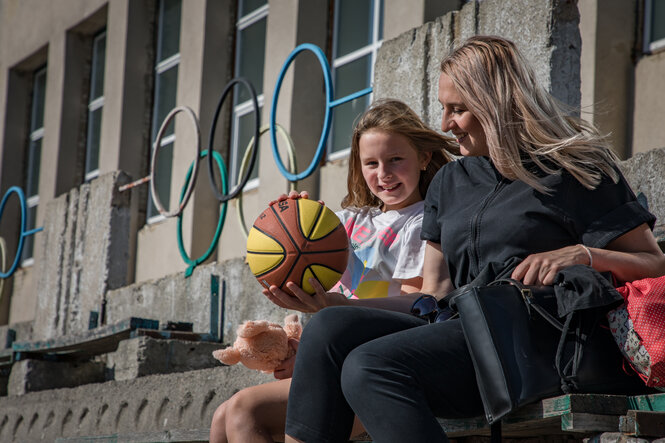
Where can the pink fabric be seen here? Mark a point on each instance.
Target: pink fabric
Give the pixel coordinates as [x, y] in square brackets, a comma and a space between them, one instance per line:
[645, 300]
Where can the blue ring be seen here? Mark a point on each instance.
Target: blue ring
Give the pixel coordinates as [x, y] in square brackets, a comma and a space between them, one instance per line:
[19, 249]
[326, 123]
[330, 103]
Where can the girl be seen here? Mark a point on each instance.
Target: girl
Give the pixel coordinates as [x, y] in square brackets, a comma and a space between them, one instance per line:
[394, 157]
[534, 184]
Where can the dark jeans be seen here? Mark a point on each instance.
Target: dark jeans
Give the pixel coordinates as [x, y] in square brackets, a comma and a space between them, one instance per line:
[394, 370]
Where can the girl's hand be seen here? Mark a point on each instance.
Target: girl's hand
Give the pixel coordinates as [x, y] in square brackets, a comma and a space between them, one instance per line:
[302, 301]
[294, 195]
[285, 369]
[541, 268]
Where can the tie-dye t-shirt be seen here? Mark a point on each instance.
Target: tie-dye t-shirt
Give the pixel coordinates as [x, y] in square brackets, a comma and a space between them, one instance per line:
[386, 248]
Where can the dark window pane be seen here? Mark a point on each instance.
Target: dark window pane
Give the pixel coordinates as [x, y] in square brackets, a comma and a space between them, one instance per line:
[169, 29]
[251, 54]
[38, 97]
[354, 25]
[92, 147]
[657, 20]
[245, 128]
[165, 99]
[29, 241]
[247, 6]
[352, 77]
[34, 160]
[162, 178]
[98, 62]
[349, 78]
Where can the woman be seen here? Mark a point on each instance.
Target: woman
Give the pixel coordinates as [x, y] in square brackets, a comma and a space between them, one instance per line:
[534, 184]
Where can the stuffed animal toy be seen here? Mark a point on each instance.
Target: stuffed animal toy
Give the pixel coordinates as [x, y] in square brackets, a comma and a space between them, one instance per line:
[262, 345]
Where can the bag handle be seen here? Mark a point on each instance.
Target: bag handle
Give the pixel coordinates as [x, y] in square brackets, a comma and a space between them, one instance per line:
[530, 301]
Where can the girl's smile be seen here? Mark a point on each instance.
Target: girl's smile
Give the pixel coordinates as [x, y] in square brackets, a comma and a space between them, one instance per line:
[391, 168]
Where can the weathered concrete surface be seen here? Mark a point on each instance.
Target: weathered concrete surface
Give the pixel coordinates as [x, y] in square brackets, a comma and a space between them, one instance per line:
[37, 375]
[141, 356]
[87, 238]
[177, 298]
[646, 174]
[407, 66]
[153, 403]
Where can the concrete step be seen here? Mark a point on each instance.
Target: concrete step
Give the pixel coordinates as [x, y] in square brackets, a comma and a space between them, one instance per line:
[144, 406]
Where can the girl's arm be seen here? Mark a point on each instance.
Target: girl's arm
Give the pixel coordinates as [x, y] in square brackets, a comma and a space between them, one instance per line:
[632, 256]
[435, 281]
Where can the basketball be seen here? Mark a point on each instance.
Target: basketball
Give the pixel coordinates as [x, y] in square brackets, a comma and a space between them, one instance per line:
[295, 240]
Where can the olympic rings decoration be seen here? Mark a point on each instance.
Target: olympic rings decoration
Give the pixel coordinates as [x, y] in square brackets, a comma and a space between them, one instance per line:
[330, 103]
[220, 223]
[247, 165]
[156, 147]
[291, 150]
[19, 249]
[3, 263]
[257, 118]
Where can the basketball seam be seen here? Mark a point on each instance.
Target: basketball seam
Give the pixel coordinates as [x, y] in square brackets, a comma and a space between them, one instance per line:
[295, 262]
[272, 238]
[319, 210]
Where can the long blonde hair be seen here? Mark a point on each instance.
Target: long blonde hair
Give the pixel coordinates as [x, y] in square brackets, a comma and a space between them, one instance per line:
[396, 117]
[523, 123]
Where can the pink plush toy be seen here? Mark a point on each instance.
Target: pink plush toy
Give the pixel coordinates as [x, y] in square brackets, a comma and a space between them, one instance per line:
[262, 345]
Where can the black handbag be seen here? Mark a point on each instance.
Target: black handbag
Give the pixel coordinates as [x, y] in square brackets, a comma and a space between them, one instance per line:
[523, 352]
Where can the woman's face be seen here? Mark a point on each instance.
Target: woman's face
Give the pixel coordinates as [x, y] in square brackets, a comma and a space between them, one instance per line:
[391, 168]
[460, 121]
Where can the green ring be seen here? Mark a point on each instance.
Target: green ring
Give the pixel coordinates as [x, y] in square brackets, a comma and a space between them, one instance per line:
[220, 224]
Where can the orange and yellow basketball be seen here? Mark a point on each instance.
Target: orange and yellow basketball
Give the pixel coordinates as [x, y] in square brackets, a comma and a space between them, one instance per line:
[295, 240]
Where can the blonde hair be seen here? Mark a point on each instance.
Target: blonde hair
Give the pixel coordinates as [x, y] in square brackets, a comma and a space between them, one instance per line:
[523, 123]
[395, 117]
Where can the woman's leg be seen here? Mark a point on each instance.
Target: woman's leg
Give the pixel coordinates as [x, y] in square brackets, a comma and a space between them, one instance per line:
[317, 410]
[400, 383]
[255, 414]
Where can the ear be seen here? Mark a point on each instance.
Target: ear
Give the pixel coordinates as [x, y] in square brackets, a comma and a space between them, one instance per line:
[425, 157]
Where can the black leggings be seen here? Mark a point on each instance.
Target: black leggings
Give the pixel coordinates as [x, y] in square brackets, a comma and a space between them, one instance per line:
[394, 370]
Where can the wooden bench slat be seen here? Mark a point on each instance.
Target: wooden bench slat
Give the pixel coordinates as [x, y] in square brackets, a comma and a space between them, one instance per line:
[652, 402]
[643, 423]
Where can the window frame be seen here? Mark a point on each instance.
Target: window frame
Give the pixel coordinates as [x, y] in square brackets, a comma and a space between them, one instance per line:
[94, 104]
[35, 135]
[244, 108]
[370, 49]
[649, 46]
[161, 67]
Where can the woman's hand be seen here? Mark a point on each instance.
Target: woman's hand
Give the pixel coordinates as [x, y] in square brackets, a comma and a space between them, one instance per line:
[285, 369]
[301, 300]
[541, 268]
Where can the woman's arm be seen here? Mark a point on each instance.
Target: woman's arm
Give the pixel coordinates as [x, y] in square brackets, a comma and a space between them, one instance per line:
[435, 281]
[632, 256]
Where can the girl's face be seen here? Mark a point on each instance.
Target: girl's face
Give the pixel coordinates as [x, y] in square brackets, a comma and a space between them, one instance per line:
[391, 168]
[460, 121]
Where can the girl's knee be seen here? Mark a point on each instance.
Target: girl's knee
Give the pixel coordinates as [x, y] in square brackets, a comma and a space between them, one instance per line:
[357, 374]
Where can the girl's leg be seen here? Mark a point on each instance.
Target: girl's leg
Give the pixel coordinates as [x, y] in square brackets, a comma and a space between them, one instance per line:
[317, 410]
[400, 383]
[255, 414]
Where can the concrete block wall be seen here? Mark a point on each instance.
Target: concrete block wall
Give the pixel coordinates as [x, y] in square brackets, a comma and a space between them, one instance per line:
[546, 31]
[85, 253]
[646, 174]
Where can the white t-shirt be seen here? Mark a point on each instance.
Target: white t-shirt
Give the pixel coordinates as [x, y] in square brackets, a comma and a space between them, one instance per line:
[385, 248]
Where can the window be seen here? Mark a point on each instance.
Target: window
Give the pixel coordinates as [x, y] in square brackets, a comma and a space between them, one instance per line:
[358, 30]
[33, 160]
[654, 25]
[250, 56]
[166, 80]
[95, 105]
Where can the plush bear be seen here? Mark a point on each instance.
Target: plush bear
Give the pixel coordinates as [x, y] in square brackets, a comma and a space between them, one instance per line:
[262, 345]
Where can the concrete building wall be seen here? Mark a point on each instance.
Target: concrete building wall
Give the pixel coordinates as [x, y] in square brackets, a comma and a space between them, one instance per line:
[622, 95]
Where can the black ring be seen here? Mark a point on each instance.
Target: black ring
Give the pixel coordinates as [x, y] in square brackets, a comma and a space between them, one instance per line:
[257, 117]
